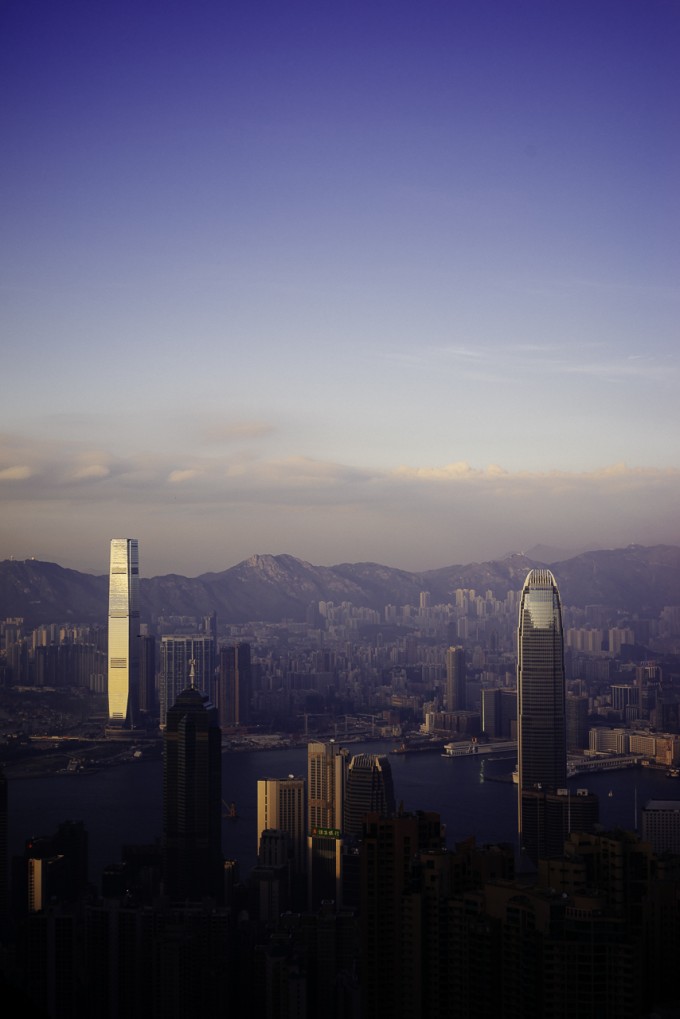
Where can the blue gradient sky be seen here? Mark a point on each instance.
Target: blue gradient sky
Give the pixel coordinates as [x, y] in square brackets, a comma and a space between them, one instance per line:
[385, 281]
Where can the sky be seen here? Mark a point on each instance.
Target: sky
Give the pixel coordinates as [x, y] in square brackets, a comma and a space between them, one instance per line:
[385, 281]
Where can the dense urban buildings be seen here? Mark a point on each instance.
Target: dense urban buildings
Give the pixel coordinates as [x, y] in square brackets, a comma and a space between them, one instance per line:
[352, 903]
[123, 657]
[178, 652]
[541, 746]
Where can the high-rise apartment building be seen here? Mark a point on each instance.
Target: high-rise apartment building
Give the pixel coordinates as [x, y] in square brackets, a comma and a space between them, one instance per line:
[123, 664]
[192, 798]
[541, 729]
[370, 789]
[456, 679]
[177, 654]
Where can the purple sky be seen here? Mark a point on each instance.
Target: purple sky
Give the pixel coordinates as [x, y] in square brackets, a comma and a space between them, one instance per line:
[385, 281]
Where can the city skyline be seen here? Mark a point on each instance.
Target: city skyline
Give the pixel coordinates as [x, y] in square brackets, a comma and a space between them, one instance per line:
[383, 283]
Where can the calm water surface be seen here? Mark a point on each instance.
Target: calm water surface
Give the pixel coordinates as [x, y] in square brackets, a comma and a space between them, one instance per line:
[123, 804]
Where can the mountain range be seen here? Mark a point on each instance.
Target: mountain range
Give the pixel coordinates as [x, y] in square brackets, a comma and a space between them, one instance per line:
[636, 579]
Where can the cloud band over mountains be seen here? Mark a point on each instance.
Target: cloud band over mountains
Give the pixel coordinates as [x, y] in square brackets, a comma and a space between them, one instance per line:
[189, 509]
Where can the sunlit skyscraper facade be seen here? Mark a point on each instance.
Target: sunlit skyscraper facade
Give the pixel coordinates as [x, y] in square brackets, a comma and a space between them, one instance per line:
[123, 663]
[541, 730]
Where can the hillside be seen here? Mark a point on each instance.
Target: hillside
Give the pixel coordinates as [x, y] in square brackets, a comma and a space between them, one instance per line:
[267, 587]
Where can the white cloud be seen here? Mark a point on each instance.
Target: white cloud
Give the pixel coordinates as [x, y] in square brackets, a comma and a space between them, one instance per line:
[18, 473]
[92, 471]
[178, 477]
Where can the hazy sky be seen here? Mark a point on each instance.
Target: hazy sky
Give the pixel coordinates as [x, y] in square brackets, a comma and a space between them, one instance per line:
[351, 280]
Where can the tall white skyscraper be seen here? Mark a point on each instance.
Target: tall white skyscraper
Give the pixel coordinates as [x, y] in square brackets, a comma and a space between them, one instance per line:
[123, 631]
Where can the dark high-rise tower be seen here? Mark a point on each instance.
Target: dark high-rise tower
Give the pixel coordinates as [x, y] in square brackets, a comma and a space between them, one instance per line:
[234, 684]
[369, 790]
[123, 631]
[541, 744]
[192, 799]
[147, 674]
[456, 679]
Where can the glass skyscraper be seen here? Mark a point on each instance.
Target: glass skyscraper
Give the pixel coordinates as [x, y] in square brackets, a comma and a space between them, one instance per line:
[541, 730]
[192, 798]
[123, 664]
[370, 789]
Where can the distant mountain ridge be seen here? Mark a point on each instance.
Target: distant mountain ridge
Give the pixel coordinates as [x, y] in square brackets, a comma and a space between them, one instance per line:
[274, 587]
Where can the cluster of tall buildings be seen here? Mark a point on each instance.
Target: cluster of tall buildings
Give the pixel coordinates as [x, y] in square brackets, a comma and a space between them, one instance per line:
[224, 673]
[224, 676]
[355, 907]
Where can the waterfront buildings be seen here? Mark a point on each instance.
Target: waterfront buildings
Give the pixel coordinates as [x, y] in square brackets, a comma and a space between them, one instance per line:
[192, 799]
[123, 655]
[541, 729]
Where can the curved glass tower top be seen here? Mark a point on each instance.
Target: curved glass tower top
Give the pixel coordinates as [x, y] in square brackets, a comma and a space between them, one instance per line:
[541, 747]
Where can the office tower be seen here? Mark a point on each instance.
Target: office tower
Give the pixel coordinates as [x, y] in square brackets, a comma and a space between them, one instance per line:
[548, 818]
[388, 958]
[281, 804]
[177, 654]
[456, 678]
[369, 790]
[271, 880]
[147, 674]
[234, 685]
[192, 799]
[541, 745]
[661, 826]
[123, 632]
[491, 712]
[576, 708]
[326, 786]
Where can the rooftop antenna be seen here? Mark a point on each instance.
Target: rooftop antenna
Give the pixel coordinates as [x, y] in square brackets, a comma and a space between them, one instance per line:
[192, 673]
